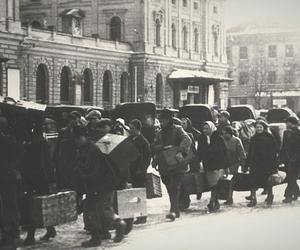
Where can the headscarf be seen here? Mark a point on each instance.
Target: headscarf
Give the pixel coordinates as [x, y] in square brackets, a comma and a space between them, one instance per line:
[212, 127]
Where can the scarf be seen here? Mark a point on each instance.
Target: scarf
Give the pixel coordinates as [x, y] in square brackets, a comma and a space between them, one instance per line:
[212, 127]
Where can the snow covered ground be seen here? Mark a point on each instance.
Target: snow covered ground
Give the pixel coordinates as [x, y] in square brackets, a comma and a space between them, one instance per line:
[236, 228]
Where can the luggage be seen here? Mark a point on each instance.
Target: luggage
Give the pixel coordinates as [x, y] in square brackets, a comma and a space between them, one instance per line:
[53, 210]
[194, 183]
[120, 150]
[225, 188]
[242, 182]
[153, 186]
[131, 203]
[170, 161]
[277, 178]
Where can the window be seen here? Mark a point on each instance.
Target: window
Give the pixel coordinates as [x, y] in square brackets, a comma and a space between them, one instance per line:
[229, 53]
[289, 50]
[215, 10]
[125, 88]
[185, 38]
[115, 29]
[184, 3]
[243, 53]
[272, 77]
[289, 76]
[173, 1]
[65, 85]
[272, 51]
[196, 40]
[174, 36]
[107, 85]
[157, 31]
[87, 86]
[159, 90]
[42, 83]
[244, 78]
[196, 6]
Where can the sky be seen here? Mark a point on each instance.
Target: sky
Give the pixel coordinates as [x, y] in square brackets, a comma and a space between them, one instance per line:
[243, 11]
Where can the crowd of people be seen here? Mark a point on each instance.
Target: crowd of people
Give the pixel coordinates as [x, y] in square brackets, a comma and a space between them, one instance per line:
[76, 163]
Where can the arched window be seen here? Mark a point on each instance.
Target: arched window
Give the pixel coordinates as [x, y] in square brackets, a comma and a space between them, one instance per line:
[87, 87]
[159, 90]
[65, 85]
[185, 38]
[125, 88]
[107, 86]
[42, 83]
[36, 25]
[174, 36]
[196, 40]
[115, 29]
[157, 32]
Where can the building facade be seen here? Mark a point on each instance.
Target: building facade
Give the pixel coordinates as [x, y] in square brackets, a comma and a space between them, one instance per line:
[103, 52]
[265, 65]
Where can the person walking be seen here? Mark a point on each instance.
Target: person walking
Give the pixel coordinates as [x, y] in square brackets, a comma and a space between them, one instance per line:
[235, 153]
[262, 162]
[99, 183]
[9, 211]
[171, 136]
[224, 120]
[290, 157]
[212, 153]
[138, 170]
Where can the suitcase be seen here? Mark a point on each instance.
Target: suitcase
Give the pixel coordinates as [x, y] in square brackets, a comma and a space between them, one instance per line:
[53, 210]
[131, 203]
[194, 183]
[242, 182]
[153, 186]
[225, 188]
[120, 150]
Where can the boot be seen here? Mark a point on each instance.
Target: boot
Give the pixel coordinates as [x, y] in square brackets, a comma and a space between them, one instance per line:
[30, 240]
[253, 202]
[288, 200]
[295, 197]
[128, 226]
[229, 202]
[199, 196]
[264, 192]
[171, 217]
[120, 230]
[210, 206]
[249, 198]
[269, 200]
[95, 241]
[140, 220]
[106, 236]
[51, 233]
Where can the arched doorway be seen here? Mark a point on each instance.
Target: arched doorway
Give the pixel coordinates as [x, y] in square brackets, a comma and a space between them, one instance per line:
[42, 84]
[125, 88]
[87, 88]
[65, 85]
[115, 28]
[159, 90]
[107, 86]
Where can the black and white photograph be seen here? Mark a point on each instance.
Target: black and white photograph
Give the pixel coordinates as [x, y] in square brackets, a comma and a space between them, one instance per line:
[149, 124]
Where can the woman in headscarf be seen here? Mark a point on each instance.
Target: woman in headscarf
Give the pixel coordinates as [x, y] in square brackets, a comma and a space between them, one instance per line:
[262, 161]
[188, 127]
[212, 153]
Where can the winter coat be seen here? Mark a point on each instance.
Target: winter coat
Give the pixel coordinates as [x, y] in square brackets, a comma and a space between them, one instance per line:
[140, 166]
[171, 136]
[262, 158]
[94, 170]
[213, 155]
[235, 153]
[290, 151]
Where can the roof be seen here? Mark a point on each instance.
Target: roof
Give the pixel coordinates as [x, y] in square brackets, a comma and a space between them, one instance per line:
[192, 74]
[23, 104]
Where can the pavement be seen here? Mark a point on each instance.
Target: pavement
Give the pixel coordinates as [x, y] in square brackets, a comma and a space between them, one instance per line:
[236, 227]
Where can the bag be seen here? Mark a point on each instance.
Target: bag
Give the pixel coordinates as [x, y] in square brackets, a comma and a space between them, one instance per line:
[169, 159]
[153, 186]
[225, 188]
[213, 177]
[242, 182]
[195, 183]
[277, 178]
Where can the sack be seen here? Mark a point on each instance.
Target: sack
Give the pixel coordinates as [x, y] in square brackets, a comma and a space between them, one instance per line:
[195, 183]
[169, 161]
[242, 182]
[277, 179]
[153, 186]
[225, 188]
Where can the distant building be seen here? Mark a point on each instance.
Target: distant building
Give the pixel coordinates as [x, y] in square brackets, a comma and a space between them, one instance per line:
[265, 65]
[103, 52]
